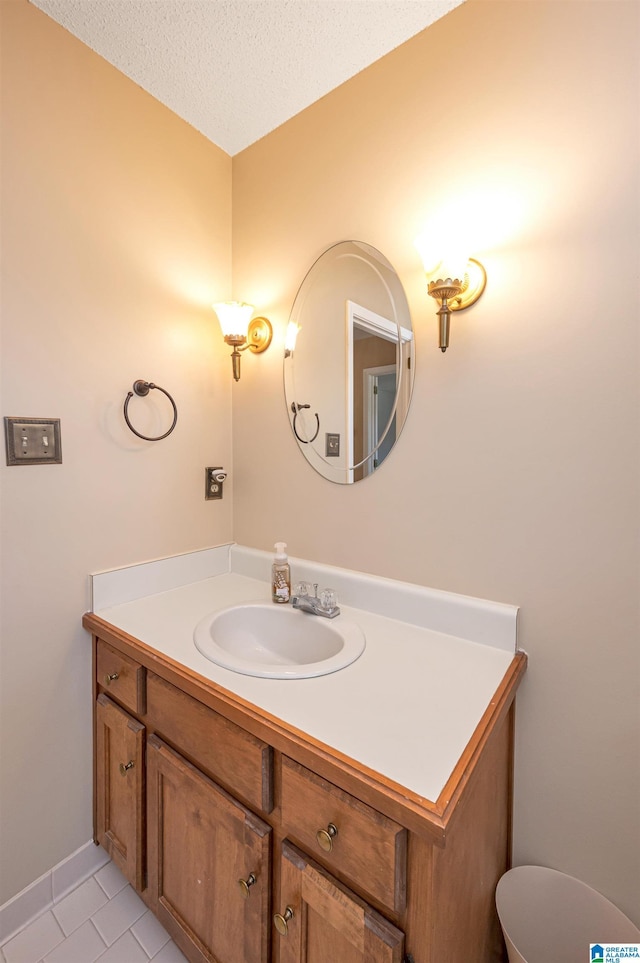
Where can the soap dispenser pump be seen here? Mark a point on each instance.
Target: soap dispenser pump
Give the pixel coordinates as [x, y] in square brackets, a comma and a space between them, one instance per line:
[280, 574]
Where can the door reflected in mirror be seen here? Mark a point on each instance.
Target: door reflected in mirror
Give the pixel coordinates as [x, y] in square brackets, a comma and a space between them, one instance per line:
[349, 362]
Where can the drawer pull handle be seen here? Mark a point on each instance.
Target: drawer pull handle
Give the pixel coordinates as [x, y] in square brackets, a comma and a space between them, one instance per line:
[282, 922]
[325, 837]
[108, 679]
[244, 885]
[124, 767]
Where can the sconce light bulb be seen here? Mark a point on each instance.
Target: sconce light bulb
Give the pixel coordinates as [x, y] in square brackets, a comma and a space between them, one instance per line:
[291, 337]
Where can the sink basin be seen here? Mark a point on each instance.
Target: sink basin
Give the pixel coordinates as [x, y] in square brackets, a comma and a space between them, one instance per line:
[277, 641]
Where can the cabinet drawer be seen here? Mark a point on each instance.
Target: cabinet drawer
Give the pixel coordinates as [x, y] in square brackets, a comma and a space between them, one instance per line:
[348, 837]
[224, 751]
[123, 678]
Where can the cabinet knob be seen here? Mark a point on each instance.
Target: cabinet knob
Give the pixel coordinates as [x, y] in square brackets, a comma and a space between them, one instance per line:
[125, 766]
[108, 679]
[282, 922]
[325, 837]
[244, 884]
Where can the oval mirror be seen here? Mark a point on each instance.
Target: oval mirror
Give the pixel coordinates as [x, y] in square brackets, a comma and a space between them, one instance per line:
[348, 364]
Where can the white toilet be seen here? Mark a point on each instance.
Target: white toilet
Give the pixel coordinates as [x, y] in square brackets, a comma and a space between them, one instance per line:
[546, 915]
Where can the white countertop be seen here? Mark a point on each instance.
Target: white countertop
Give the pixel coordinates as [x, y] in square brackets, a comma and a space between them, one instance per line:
[406, 708]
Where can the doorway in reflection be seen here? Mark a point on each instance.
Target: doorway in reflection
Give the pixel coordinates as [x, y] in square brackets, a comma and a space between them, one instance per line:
[378, 416]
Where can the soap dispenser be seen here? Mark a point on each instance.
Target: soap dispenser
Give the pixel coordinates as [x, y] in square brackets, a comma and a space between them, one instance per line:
[280, 575]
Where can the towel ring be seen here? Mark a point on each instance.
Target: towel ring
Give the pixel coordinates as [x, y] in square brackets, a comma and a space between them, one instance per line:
[141, 388]
[296, 409]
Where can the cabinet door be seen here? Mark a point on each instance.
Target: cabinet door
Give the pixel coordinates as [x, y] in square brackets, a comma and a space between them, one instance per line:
[208, 863]
[321, 920]
[120, 788]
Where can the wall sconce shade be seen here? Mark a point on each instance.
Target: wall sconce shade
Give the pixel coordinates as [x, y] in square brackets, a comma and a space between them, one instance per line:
[456, 281]
[234, 317]
[290, 338]
[241, 332]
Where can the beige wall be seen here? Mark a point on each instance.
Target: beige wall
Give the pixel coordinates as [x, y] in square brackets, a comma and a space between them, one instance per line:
[517, 474]
[116, 222]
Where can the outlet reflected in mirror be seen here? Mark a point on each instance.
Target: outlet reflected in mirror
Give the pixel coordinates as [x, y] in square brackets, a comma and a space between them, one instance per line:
[348, 372]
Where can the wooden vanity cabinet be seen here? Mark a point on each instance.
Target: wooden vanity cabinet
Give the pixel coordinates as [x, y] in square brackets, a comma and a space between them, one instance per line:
[254, 844]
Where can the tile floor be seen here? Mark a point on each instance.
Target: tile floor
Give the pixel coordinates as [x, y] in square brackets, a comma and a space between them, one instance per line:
[102, 919]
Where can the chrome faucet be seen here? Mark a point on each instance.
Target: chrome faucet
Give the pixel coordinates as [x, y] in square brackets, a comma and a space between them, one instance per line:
[324, 604]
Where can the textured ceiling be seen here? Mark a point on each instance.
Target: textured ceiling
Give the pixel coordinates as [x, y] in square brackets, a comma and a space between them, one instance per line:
[237, 69]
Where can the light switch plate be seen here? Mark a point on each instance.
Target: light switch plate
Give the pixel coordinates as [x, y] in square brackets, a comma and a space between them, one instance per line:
[332, 445]
[33, 441]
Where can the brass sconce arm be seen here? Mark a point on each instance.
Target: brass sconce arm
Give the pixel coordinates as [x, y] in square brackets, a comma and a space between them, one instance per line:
[444, 291]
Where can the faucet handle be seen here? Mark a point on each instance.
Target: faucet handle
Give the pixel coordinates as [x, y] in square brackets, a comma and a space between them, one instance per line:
[328, 599]
[302, 588]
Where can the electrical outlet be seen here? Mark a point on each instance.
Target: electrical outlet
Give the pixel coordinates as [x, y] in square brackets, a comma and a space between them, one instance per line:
[33, 441]
[213, 482]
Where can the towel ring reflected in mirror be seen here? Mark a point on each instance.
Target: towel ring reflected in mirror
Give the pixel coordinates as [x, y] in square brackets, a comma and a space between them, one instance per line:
[296, 408]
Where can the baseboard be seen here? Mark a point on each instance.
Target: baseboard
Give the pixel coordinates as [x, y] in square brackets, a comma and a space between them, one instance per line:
[53, 886]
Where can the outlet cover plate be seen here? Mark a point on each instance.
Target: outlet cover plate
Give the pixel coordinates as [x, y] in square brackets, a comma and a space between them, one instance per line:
[212, 488]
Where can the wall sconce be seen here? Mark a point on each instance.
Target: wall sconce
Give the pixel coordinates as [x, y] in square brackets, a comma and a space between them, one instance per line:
[456, 281]
[241, 332]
